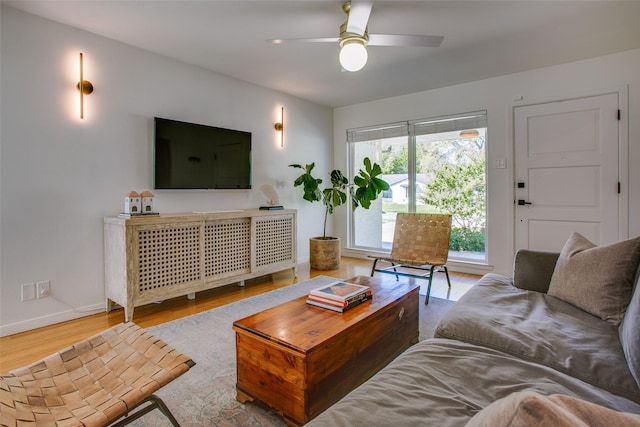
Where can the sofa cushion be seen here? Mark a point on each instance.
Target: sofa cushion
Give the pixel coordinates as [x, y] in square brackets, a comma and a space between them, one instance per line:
[532, 270]
[630, 332]
[445, 383]
[597, 279]
[537, 327]
[527, 408]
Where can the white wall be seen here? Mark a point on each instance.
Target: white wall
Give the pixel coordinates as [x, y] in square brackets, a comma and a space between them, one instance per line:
[498, 96]
[60, 175]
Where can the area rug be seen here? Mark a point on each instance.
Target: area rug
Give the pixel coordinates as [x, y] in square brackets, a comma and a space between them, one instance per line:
[205, 396]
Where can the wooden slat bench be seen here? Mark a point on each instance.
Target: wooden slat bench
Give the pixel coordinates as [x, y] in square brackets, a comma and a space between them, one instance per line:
[95, 382]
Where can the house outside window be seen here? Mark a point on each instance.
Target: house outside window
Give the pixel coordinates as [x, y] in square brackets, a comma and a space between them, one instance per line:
[432, 166]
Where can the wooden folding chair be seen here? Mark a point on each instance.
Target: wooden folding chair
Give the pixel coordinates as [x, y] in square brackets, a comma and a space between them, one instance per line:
[95, 382]
[420, 242]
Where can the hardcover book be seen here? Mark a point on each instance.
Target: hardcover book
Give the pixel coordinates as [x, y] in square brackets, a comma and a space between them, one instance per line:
[336, 306]
[363, 296]
[341, 291]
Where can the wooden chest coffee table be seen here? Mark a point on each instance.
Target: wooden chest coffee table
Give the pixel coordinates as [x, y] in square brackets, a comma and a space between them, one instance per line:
[300, 359]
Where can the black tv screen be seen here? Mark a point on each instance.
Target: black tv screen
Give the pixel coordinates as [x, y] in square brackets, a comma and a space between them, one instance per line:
[194, 156]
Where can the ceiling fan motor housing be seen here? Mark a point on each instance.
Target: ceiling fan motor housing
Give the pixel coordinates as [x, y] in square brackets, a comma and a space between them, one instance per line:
[347, 37]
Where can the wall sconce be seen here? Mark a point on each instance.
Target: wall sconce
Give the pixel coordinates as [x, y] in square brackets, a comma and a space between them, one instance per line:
[84, 86]
[280, 127]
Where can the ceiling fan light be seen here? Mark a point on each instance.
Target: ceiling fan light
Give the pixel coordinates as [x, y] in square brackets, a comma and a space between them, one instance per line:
[470, 133]
[353, 56]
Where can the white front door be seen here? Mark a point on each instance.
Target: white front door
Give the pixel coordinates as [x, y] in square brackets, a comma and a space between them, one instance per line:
[566, 172]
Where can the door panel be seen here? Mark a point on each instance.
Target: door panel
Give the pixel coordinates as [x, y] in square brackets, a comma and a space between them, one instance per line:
[566, 167]
[572, 131]
[577, 187]
[551, 235]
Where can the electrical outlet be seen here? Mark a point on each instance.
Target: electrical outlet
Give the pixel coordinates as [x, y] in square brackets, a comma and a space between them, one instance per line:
[43, 288]
[28, 291]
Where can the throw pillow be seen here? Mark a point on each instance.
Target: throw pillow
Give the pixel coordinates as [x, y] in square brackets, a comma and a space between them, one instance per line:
[528, 408]
[596, 279]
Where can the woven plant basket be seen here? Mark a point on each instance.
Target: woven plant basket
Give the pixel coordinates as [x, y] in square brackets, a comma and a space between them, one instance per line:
[324, 253]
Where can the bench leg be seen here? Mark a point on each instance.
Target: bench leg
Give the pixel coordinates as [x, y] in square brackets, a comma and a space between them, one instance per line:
[156, 402]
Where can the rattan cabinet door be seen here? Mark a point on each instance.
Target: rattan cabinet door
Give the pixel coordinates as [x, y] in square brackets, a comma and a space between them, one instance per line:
[274, 241]
[168, 257]
[227, 248]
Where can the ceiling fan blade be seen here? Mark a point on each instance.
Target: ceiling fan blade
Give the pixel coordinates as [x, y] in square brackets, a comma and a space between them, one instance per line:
[359, 16]
[307, 40]
[404, 40]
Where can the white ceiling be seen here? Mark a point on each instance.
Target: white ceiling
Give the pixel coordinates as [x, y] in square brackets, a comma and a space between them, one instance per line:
[482, 39]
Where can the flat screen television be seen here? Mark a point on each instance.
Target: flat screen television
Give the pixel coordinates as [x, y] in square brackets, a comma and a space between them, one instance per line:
[194, 156]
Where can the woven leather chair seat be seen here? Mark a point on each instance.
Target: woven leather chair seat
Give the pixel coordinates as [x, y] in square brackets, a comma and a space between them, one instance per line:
[420, 242]
[92, 383]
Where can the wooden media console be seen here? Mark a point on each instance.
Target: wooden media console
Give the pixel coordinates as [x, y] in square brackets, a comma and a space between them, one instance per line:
[152, 258]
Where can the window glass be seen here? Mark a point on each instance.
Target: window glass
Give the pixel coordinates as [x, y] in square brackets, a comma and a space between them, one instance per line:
[432, 166]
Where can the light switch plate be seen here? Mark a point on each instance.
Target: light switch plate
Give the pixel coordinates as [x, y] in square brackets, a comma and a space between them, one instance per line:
[28, 291]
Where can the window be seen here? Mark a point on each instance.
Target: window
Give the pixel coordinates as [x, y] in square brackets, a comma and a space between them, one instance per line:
[432, 165]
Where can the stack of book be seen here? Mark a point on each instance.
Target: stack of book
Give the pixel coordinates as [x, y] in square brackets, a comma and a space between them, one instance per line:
[339, 296]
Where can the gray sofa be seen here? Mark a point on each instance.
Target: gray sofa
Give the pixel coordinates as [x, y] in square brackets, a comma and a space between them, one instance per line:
[504, 343]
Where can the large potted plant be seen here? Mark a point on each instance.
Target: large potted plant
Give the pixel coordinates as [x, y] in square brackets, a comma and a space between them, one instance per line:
[324, 251]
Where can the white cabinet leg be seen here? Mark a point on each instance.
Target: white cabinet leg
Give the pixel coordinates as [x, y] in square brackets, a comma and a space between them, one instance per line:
[128, 311]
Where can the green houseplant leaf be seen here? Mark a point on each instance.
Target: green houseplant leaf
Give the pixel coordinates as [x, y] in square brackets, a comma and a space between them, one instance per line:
[365, 188]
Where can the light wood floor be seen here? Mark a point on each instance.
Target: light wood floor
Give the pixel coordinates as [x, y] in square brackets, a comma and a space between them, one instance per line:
[27, 347]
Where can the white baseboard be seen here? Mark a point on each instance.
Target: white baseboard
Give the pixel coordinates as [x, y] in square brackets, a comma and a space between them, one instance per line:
[51, 319]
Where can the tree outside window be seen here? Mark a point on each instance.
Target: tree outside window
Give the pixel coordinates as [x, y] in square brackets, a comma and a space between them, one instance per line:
[457, 186]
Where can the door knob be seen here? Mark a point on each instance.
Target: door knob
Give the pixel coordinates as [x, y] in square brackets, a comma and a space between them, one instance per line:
[522, 202]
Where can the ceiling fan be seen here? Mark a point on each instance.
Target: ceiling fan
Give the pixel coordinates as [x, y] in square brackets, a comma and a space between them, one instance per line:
[354, 37]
